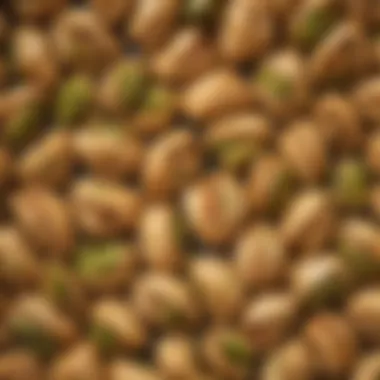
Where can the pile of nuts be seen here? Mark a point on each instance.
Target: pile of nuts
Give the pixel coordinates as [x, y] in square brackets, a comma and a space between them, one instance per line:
[190, 190]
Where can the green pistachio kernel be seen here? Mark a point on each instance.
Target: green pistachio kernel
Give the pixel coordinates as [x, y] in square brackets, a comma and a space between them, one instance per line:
[99, 260]
[104, 338]
[74, 100]
[236, 350]
[314, 27]
[275, 83]
[202, 12]
[350, 183]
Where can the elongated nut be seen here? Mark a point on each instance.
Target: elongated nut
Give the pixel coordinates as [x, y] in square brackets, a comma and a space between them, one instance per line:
[19, 365]
[152, 22]
[270, 184]
[171, 163]
[350, 183]
[260, 257]
[18, 265]
[215, 94]
[185, 57]
[34, 58]
[372, 152]
[246, 30]
[227, 352]
[115, 326]
[268, 319]
[82, 42]
[49, 161]
[305, 150]
[281, 84]
[44, 220]
[108, 153]
[332, 343]
[37, 10]
[320, 281]
[368, 367]
[338, 121]
[343, 54]
[237, 139]
[123, 369]
[123, 87]
[74, 100]
[359, 243]
[106, 267]
[309, 221]
[364, 312]
[175, 357]
[157, 110]
[81, 361]
[164, 300]
[34, 323]
[291, 361]
[218, 286]
[312, 21]
[214, 208]
[161, 237]
[365, 99]
[63, 289]
[104, 209]
[112, 12]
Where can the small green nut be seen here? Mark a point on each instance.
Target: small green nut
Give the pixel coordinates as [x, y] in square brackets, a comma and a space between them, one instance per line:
[33, 336]
[236, 350]
[350, 183]
[313, 27]
[274, 83]
[74, 100]
[202, 12]
[23, 126]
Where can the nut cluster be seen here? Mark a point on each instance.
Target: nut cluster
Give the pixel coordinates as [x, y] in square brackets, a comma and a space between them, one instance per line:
[190, 190]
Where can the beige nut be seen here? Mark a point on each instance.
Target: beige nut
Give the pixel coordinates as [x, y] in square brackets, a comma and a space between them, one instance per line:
[215, 207]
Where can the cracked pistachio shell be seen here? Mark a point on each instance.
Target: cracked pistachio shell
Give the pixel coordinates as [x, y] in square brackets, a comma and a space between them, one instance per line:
[270, 185]
[80, 362]
[305, 151]
[332, 342]
[320, 281]
[309, 221]
[237, 140]
[162, 237]
[164, 300]
[104, 209]
[48, 161]
[116, 326]
[359, 243]
[246, 30]
[215, 94]
[154, 22]
[260, 257]
[268, 319]
[214, 208]
[107, 153]
[74, 100]
[218, 287]
[364, 312]
[34, 323]
[82, 42]
[350, 183]
[185, 57]
[227, 352]
[125, 369]
[175, 356]
[19, 267]
[43, 217]
[171, 163]
[105, 267]
[19, 364]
